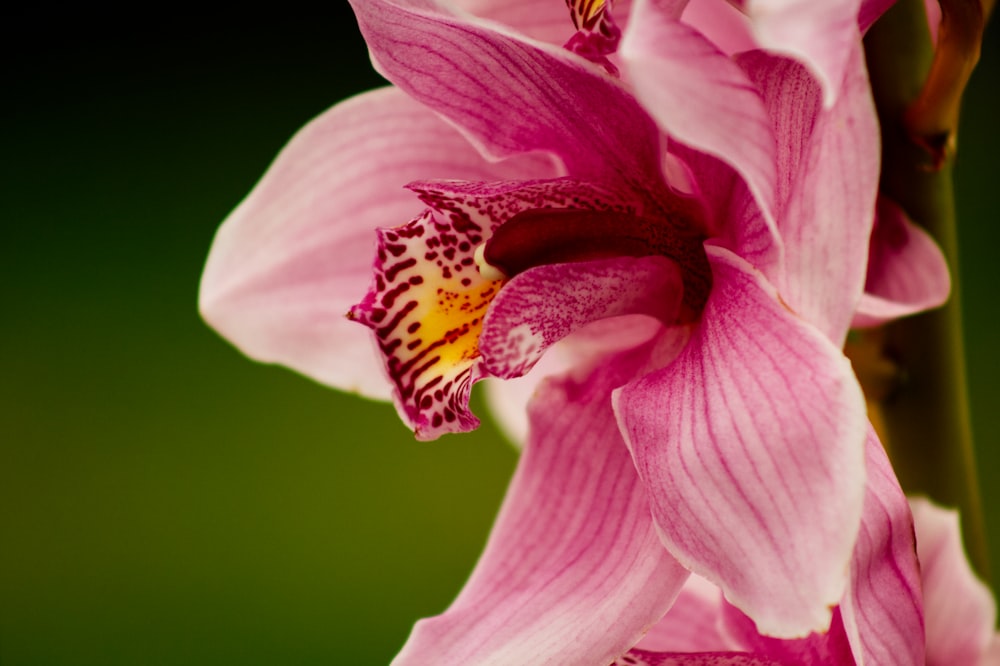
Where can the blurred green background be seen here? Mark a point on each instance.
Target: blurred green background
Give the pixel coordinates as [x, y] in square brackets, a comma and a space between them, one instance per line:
[162, 499]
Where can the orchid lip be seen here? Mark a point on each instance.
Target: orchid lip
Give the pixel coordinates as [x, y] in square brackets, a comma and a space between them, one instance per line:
[436, 277]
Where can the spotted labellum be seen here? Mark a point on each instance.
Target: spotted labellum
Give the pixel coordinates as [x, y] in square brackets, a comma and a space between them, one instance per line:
[436, 276]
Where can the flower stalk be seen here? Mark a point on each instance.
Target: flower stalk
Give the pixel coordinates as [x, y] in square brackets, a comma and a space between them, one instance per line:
[925, 417]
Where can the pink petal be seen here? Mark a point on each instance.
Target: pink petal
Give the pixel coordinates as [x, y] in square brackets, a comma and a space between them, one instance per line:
[508, 399]
[792, 100]
[959, 609]
[549, 22]
[736, 219]
[573, 571]
[907, 273]
[829, 648]
[291, 259]
[700, 97]
[510, 95]
[722, 23]
[821, 35]
[545, 304]
[828, 179]
[880, 620]
[692, 624]
[545, 21]
[750, 446]
[882, 608]
[991, 657]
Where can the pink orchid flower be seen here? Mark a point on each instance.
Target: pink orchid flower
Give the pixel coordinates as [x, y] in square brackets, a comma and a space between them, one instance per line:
[959, 610]
[708, 421]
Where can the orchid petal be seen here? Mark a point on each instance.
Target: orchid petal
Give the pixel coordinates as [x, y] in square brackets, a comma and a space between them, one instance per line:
[692, 624]
[882, 609]
[545, 21]
[820, 35]
[735, 217]
[829, 648]
[725, 25]
[958, 607]
[879, 620]
[511, 95]
[545, 304]
[750, 446]
[907, 272]
[701, 98]
[573, 571]
[991, 656]
[830, 184]
[508, 399]
[792, 100]
[291, 259]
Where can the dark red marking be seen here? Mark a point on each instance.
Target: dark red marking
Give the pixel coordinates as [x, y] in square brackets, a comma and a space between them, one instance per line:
[394, 270]
[390, 296]
[541, 237]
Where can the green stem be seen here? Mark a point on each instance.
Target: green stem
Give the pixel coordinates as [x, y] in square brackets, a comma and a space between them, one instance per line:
[926, 419]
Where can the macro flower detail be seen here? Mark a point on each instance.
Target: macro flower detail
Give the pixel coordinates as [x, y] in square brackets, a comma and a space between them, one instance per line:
[429, 297]
[794, 454]
[700, 226]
